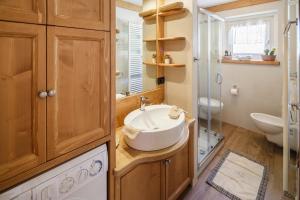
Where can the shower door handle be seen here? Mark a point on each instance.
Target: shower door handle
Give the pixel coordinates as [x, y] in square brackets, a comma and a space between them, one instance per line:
[219, 78]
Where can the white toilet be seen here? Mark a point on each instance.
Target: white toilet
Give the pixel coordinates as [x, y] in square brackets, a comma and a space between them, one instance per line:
[272, 127]
[215, 107]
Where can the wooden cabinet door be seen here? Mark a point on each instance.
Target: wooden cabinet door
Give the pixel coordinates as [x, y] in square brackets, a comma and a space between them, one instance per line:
[146, 182]
[23, 113]
[177, 173]
[89, 14]
[79, 71]
[29, 11]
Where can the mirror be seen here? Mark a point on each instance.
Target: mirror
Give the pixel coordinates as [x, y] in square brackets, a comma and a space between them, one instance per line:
[135, 50]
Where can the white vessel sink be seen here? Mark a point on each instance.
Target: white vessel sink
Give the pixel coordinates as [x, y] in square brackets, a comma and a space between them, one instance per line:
[158, 131]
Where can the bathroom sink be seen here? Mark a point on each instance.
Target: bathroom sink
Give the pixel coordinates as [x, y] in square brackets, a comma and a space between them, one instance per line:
[156, 129]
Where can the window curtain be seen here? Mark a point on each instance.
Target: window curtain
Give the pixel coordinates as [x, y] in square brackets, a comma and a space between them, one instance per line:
[250, 36]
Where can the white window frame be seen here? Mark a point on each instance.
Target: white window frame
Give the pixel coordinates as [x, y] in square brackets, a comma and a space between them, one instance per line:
[273, 19]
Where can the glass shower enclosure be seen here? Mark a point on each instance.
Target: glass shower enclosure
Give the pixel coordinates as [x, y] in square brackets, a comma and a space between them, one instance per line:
[210, 80]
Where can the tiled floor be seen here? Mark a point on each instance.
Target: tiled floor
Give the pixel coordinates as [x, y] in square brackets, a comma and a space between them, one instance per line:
[253, 145]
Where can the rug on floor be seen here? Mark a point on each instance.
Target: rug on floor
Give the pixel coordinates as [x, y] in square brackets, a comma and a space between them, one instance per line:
[239, 177]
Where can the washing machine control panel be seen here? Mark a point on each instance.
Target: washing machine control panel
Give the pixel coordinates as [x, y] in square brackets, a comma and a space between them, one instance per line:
[71, 180]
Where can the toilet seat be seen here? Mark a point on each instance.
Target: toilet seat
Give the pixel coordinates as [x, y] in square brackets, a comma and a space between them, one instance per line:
[203, 101]
[268, 119]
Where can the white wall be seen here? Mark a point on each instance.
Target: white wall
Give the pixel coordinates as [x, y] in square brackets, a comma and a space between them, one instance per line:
[178, 86]
[260, 86]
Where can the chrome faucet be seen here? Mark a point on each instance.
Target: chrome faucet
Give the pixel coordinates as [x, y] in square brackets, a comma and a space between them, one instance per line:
[143, 102]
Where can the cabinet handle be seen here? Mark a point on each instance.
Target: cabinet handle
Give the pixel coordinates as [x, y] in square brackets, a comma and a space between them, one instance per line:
[168, 161]
[51, 93]
[43, 94]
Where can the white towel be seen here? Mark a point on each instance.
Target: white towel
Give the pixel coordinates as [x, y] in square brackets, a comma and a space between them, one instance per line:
[130, 131]
[175, 112]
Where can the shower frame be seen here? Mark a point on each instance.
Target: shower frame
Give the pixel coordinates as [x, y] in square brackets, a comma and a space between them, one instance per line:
[212, 152]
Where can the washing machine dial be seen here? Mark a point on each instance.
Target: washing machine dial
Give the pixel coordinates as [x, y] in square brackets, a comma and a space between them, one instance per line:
[66, 184]
[82, 175]
[95, 167]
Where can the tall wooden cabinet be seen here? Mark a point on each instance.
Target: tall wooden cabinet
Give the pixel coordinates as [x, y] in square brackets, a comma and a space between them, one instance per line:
[78, 74]
[23, 113]
[55, 84]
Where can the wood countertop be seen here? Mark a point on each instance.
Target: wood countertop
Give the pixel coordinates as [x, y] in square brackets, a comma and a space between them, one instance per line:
[127, 158]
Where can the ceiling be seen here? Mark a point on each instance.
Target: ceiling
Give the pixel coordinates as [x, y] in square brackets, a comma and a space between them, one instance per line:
[208, 3]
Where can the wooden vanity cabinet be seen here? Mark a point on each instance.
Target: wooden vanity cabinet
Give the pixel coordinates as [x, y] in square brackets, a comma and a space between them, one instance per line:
[164, 179]
[87, 14]
[27, 11]
[23, 113]
[146, 182]
[79, 73]
[177, 173]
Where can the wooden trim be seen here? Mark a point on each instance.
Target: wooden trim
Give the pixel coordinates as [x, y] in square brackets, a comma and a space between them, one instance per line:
[6, 184]
[128, 5]
[237, 4]
[112, 143]
[251, 62]
[191, 149]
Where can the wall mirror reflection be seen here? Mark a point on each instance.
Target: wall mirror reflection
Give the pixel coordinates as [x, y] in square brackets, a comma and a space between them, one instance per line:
[135, 46]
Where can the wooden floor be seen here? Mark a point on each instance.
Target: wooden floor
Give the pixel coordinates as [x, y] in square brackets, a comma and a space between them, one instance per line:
[254, 146]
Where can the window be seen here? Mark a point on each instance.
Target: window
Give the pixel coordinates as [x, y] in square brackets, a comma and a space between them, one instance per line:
[249, 37]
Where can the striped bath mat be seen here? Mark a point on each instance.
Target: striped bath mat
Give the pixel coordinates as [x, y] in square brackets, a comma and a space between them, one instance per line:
[239, 177]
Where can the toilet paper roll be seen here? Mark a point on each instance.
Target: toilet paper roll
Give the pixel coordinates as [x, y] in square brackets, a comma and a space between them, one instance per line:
[234, 91]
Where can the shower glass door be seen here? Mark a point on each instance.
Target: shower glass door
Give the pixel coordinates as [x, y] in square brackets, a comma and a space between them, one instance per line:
[209, 86]
[291, 181]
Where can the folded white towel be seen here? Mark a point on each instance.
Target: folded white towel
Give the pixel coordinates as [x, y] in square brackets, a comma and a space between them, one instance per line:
[130, 131]
[175, 112]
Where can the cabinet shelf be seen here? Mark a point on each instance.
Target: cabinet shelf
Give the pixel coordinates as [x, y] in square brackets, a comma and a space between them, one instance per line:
[171, 65]
[165, 39]
[163, 65]
[149, 63]
[166, 14]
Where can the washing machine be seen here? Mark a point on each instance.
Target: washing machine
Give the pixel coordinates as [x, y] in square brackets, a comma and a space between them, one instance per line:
[82, 178]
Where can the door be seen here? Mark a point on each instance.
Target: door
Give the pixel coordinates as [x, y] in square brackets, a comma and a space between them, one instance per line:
[29, 11]
[177, 173]
[23, 113]
[143, 182]
[78, 82]
[89, 14]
